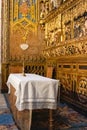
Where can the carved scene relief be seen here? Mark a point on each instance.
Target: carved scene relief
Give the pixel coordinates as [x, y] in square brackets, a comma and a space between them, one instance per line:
[53, 32]
[46, 6]
[82, 89]
[69, 36]
[75, 21]
[80, 25]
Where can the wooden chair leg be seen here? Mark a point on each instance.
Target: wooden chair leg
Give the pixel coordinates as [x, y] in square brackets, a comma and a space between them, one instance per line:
[58, 95]
[50, 120]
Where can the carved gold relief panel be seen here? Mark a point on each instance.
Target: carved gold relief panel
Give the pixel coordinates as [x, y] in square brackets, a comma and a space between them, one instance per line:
[53, 31]
[71, 48]
[73, 77]
[74, 20]
[65, 33]
[82, 88]
[68, 24]
[46, 6]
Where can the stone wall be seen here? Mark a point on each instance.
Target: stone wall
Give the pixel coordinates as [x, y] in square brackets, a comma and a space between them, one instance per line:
[0, 36]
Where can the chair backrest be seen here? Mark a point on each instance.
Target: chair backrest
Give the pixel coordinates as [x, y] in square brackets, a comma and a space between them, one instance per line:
[49, 72]
[50, 75]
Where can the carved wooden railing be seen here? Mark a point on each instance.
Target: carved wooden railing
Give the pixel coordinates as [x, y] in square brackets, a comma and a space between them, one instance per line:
[34, 64]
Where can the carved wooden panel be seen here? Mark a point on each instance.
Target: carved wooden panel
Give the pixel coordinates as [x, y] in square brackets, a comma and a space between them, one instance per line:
[73, 78]
[82, 89]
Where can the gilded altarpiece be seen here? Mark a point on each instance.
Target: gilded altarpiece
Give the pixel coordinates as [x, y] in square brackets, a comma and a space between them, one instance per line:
[69, 50]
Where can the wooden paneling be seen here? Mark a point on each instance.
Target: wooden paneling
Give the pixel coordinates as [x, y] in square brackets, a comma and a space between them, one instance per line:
[73, 77]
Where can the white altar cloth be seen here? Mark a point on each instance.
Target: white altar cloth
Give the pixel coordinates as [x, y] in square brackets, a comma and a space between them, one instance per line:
[34, 91]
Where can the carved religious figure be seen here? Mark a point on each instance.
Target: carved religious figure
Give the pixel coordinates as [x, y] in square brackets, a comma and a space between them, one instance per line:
[53, 4]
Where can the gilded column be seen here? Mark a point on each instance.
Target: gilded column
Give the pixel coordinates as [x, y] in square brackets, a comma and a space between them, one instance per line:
[5, 31]
[5, 45]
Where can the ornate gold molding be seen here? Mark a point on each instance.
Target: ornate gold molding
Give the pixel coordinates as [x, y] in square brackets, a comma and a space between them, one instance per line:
[71, 48]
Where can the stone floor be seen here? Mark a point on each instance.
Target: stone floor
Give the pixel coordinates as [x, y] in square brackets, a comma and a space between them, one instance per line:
[65, 118]
[6, 118]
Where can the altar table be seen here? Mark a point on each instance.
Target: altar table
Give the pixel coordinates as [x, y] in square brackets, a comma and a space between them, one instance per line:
[30, 92]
